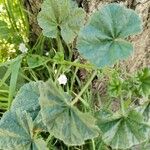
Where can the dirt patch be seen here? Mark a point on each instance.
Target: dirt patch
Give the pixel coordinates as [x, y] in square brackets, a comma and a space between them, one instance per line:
[141, 56]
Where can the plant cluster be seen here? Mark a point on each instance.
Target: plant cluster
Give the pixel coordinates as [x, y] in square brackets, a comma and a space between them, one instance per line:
[54, 108]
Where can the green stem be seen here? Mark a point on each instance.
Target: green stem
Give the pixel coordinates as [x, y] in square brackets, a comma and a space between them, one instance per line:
[84, 88]
[59, 44]
[70, 52]
[33, 74]
[25, 77]
[58, 73]
[49, 71]
[93, 144]
[64, 62]
[49, 138]
[13, 24]
[73, 78]
[7, 74]
[37, 42]
[24, 17]
[4, 91]
[87, 66]
[86, 104]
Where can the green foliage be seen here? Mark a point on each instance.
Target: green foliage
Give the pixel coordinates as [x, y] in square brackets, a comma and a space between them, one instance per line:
[115, 86]
[143, 78]
[17, 132]
[45, 115]
[136, 85]
[103, 40]
[13, 28]
[14, 67]
[34, 61]
[61, 16]
[3, 99]
[123, 132]
[67, 123]
[27, 99]
[10, 78]
[62, 119]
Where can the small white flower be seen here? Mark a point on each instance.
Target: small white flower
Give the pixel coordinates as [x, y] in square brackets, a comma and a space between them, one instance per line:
[62, 79]
[47, 53]
[141, 101]
[23, 48]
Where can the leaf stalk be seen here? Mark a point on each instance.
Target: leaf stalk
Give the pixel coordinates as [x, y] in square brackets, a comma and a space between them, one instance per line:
[84, 88]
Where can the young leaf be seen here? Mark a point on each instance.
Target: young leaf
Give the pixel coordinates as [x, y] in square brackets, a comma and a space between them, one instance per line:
[17, 132]
[123, 132]
[144, 81]
[61, 15]
[64, 121]
[27, 99]
[35, 61]
[115, 86]
[102, 40]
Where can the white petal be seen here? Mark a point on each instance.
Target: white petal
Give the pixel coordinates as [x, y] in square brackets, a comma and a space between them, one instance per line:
[23, 48]
[47, 53]
[62, 79]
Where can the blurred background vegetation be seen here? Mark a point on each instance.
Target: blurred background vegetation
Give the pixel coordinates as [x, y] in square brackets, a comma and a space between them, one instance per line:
[13, 28]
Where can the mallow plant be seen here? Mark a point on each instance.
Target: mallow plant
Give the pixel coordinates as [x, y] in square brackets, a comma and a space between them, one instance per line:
[43, 106]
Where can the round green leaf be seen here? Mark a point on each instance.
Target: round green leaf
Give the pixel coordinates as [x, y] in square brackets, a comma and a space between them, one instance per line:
[27, 99]
[102, 40]
[123, 132]
[34, 61]
[64, 121]
[61, 15]
[17, 132]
